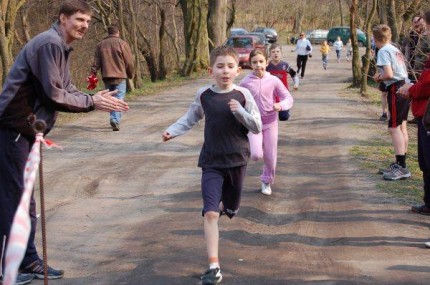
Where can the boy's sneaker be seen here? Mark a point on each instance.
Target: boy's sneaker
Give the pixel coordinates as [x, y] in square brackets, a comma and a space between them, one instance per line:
[427, 244]
[386, 170]
[265, 189]
[36, 268]
[383, 117]
[21, 279]
[211, 276]
[397, 173]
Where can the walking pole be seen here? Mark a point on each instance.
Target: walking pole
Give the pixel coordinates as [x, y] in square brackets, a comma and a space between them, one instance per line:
[40, 126]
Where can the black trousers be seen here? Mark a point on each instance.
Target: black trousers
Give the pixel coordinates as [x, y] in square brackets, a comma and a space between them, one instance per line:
[424, 159]
[301, 64]
[14, 151]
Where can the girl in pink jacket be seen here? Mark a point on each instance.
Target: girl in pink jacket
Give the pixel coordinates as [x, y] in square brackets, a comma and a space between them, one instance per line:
[265, 87]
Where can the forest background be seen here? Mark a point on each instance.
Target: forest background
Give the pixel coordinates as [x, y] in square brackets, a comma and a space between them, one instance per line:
[175, 37]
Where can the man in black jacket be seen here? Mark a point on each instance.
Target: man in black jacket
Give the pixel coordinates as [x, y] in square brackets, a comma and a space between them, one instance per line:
[38, 86]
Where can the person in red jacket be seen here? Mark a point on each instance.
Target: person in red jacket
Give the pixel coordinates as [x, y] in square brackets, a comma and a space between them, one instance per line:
[419, 93]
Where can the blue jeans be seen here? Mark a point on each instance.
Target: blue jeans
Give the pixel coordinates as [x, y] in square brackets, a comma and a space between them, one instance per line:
[324, 59]
[121, 87]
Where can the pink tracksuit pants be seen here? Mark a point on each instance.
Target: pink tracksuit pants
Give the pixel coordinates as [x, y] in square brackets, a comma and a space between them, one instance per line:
[265, 146]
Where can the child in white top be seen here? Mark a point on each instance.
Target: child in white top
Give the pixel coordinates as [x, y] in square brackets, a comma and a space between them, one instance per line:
[338, 45]
[348, 50]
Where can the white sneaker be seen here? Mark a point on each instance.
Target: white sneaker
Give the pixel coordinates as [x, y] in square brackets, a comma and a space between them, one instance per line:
[427, 244]
[265, 189]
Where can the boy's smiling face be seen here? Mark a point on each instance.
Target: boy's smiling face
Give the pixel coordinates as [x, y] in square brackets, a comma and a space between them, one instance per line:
[224, 71]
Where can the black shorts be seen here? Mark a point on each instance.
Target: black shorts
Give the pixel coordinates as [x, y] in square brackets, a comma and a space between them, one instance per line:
[222, 184]
[398, 106]
[382, 87]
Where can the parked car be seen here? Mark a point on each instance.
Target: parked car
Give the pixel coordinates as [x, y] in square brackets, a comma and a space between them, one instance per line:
[344, 34]
[263, 39]
[244, 44]
[271, 34]
[317, 36]
[237, 31]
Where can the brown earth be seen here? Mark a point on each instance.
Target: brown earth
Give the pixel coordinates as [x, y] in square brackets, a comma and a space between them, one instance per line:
[124, 207]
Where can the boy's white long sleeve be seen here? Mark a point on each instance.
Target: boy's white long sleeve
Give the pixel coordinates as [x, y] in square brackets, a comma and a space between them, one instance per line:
[193, 115]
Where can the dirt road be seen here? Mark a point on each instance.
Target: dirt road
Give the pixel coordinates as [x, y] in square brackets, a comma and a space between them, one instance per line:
[124, 208]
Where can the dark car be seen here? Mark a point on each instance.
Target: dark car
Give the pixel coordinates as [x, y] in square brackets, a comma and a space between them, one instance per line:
[271, 34]
[244, 44]
[344, 33]
[237, 31]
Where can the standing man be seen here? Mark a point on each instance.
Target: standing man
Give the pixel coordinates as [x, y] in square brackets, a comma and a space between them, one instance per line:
[113, 56]
[38, 86]
[413, 53]
[420, 95]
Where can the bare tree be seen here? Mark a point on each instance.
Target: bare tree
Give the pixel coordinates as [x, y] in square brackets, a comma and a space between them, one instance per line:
[392, 19]
[367, 56]
[356, 70]
[341, 12]
[195, 29]
[217, 22]
[8, 14]
[231, 15]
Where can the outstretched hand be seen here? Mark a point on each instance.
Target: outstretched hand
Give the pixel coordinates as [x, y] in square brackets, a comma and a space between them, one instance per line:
[166, 136]
[104, 101]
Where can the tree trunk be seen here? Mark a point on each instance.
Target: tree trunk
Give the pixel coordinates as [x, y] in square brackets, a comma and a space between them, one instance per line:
[8, 14]
[299, 17]
[217, 23]
[161, 32]
[203, 50]
[356, 70]
[194, 25]
[137, 79]
[367, 56]
[392, 20]
[382, 12]
[341, 13]
[231, 15]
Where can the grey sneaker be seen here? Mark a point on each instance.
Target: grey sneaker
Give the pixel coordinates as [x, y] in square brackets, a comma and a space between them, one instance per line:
[36, 269]
[211, 276]
[386, 170]
[397, 173]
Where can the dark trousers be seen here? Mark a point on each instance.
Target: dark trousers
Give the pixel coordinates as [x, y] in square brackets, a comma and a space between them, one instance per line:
[424, 159]
[14, 151]
[301, 64]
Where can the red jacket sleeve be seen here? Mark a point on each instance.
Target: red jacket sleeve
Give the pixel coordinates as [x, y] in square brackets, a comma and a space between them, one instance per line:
[421, 89]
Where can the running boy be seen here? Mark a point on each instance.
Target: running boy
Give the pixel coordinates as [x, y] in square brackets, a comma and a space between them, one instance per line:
[392, 72]
[280, 68]
[324, 49]
[265, 88]
[230, 112]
